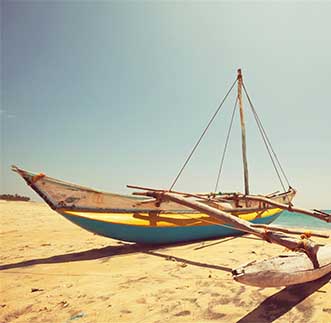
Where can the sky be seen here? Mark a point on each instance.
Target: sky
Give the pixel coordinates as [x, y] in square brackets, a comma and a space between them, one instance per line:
[106, 94]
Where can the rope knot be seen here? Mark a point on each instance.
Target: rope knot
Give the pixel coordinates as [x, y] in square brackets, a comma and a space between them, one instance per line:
[306, 235]
[36, 178]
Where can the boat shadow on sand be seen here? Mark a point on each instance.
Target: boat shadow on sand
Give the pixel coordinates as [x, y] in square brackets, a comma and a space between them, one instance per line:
[269, 310]
[111, 251]
[283, 301]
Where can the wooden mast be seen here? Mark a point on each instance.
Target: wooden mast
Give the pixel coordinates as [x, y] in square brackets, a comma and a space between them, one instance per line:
[243, 132]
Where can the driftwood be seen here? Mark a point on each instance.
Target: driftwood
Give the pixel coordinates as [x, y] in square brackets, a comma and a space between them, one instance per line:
[284, 270]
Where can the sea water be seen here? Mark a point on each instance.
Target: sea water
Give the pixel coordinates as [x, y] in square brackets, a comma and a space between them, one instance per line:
[298, 220]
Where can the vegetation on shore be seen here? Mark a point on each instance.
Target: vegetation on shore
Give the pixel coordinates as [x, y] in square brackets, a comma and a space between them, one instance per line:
[16, 197]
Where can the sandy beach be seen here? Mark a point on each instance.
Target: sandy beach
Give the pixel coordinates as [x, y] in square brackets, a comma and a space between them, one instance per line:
[53, 271]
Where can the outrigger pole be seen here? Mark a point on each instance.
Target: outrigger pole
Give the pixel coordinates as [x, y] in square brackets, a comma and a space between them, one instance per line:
[243, 132]
[275, 272]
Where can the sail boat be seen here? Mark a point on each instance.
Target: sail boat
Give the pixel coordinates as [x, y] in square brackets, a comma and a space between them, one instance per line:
[156, 220]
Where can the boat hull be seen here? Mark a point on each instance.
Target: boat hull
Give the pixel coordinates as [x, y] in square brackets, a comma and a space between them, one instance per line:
[143, 219]
[160, 235]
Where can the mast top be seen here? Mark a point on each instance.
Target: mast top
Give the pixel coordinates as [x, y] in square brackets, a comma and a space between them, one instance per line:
[239, 74]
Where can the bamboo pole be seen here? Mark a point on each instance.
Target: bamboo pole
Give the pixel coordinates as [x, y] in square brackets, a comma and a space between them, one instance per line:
[243, 132]
[309, 247]
[291, 231]
[263, 226]
[316, 213]
[196, 195]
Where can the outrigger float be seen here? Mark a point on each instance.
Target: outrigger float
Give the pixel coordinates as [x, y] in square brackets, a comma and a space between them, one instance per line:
[159, 216]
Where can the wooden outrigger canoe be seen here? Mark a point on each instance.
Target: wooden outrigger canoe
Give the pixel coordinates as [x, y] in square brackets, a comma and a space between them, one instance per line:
[138, 219]
[144, 220]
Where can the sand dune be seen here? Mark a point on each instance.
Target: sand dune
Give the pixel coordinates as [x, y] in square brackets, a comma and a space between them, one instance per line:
[53, 271]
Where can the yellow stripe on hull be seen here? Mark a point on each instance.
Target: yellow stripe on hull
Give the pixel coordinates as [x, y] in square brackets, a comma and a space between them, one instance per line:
[165, 219]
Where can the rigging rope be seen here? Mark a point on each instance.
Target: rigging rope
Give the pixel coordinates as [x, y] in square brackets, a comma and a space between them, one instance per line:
[202, 135]
[263, 133]
[267, 143]
[225, 146]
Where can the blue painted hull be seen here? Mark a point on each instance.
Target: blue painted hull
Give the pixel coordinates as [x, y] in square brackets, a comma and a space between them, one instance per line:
[159, 235]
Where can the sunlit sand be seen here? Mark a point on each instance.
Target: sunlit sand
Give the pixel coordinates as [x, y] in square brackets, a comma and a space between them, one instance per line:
[53, 271]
